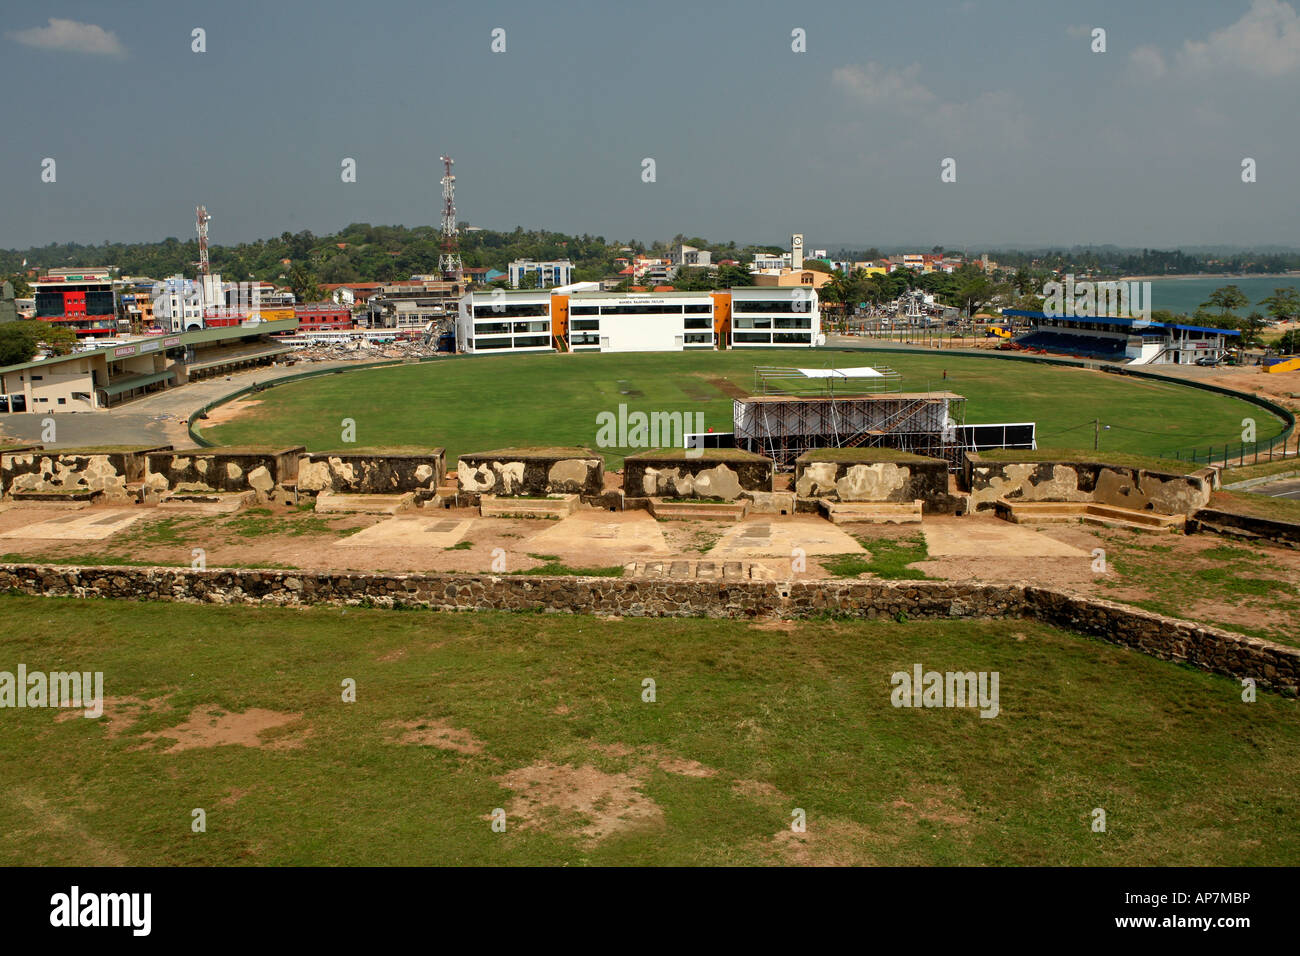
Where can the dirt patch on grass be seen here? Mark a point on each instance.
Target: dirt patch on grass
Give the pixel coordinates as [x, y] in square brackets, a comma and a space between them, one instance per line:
[726, 386]
[605, 803]
[935, 805]
[229, 411]
[826, 843]
[647, 758]
[440, 734]
[392, 656]
[210, 726]
[119, 713]
[684, 767]
[234, 796]
[757, 790]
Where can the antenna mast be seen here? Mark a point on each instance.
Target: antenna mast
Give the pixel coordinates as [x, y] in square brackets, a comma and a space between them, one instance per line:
[449, 262]
[201, 215]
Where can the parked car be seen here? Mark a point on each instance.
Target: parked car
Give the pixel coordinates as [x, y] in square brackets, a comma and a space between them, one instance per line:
[1208, 360]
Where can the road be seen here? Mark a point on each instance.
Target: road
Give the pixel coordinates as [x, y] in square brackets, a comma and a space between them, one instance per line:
[1286, 488]
[156, 419]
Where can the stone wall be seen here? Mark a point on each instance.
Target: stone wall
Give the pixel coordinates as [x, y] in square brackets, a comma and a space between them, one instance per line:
[12, 449]
[1238, 525]
[532, 471]
[839, 475]
[72, 469]
[1222, 652]
[222, 470]
[1213, 649]
[372, 473]
[716, 473]
[1124, 487]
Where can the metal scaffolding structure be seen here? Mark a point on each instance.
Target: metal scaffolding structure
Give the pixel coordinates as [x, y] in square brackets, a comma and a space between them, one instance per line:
[783, 428]
[777, 380]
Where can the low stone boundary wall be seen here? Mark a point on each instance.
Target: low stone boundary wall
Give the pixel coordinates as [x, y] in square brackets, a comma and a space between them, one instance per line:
[222, 470]
[532, 471]
[1118, 485]
[1212, 649]
[108, 470]
[1244, 526]
[711, 473]
[372, 473]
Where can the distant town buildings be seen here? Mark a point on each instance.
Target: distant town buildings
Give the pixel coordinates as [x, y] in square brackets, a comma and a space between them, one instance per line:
[683, 256]
[549, 274]
[662, 321]
[82, 300]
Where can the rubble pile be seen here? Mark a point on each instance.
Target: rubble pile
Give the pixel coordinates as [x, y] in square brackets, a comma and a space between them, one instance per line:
[363, 351]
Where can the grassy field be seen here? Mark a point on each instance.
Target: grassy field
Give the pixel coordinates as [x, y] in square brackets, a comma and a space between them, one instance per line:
[543, 717]
[478, 402]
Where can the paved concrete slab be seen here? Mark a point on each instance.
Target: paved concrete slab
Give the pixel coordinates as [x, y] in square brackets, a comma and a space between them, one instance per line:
[631, 532]
[976, 537]
[215, 504]
[89, 525]
[328, 501]
[762, 537]
[409, 532]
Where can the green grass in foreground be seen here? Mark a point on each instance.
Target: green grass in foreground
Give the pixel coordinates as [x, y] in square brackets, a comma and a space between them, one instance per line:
[503, 401]
[1199, 587]
[777, 719]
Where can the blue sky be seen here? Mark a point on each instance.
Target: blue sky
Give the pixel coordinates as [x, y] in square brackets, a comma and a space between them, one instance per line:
[1054, 144]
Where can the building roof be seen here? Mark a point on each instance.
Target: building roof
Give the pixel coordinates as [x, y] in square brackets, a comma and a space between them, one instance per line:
[196, 337]
[1116, 320]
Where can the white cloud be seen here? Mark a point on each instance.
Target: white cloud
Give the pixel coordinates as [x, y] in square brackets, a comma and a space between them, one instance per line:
[1147, 62]
[878, 86]
[990, 116]
[1264, 42]
[71, 37]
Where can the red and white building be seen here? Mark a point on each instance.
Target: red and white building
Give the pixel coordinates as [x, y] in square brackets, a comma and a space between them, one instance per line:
[82, 300]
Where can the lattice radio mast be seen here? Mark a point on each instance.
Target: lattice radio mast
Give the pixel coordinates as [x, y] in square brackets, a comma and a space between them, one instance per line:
[449, 262]
[201, 215]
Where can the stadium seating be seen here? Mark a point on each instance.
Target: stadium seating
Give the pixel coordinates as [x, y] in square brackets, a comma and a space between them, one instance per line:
[1067, 344]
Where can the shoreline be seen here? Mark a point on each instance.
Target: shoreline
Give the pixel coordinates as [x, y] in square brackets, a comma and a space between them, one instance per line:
[1212, 275]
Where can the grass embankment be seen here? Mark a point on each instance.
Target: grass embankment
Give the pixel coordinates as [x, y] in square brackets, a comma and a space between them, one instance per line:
[1261, 506]
[1208, 586]
[543, 716]
[1283, 466]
